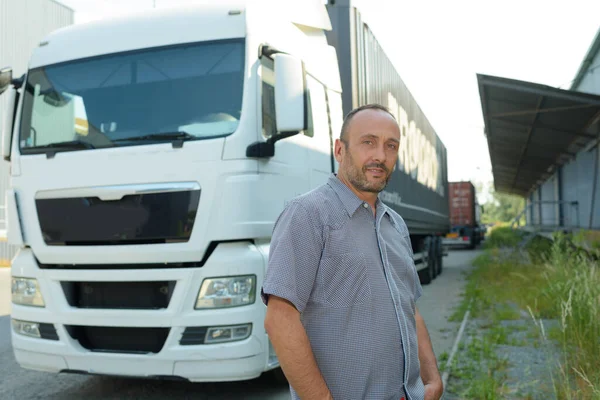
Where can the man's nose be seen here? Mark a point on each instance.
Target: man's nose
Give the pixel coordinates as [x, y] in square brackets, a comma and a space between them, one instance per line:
[380, 154]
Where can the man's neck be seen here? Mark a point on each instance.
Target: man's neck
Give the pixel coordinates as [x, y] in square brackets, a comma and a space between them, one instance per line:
[368, 197]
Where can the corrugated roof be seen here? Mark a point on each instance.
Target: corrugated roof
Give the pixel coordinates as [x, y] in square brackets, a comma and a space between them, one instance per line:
[532, 128]
[587, 60]
[63, 5]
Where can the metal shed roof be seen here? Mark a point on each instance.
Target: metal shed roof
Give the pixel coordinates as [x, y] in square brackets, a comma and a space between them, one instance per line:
[587, 61]
[532, 128]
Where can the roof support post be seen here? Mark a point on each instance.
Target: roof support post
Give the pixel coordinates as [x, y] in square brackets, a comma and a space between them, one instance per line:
[538, 108]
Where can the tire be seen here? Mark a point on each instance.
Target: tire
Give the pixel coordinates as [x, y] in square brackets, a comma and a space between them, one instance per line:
[472, 240]
[440, 256]
[432, 258]
[426, 274]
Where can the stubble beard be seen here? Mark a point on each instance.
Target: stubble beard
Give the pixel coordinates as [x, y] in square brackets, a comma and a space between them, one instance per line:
[358, 176]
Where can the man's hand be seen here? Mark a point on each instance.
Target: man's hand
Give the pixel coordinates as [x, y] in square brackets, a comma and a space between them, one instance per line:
[434, 391]
[434, 388]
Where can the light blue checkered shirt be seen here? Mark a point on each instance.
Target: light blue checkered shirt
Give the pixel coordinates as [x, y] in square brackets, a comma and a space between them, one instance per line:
[352, 277]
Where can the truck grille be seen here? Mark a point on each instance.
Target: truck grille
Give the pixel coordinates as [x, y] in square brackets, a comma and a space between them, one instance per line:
[119, 295]
[135, 219]
[119, 340]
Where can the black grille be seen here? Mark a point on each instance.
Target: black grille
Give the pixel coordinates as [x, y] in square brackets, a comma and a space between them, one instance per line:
[193, 335]
[119, 340]
[135, 219]
[119, 295]
[48, 331]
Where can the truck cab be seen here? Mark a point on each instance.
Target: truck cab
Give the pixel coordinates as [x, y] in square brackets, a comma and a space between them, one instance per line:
[150, 156]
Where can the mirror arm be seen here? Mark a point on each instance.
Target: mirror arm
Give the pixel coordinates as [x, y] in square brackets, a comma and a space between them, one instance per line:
[18, 82]
[267, 149]
[266, 50]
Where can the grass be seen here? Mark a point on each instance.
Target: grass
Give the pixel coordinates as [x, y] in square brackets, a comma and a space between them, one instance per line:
[480, 371]
[503, 236]
[589, 239]
[547, 280]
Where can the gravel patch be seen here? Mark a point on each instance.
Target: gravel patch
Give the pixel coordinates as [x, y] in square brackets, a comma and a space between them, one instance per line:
[526, 374]
[531, 360]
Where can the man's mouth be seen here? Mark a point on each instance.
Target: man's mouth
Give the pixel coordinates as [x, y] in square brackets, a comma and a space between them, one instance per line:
[376, 171]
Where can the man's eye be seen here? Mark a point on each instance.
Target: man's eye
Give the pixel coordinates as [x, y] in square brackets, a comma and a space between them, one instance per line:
[369, 142]
[393, 146]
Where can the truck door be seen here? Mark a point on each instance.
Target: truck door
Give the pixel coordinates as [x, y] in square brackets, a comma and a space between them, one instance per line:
[319, 131]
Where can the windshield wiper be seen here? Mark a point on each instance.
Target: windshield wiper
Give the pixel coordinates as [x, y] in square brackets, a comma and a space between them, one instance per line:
[52, 148]
[178, 137]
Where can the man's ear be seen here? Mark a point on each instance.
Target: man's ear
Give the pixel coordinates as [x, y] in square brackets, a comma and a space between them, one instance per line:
[338, 150]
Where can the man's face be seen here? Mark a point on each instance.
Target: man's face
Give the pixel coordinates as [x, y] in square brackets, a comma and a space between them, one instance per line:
[371, 152]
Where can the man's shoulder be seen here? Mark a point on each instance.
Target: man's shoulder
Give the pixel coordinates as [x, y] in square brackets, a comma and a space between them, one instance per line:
[321, 203]
[314, 197]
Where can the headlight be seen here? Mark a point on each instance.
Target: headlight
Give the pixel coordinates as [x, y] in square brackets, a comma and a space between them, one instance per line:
[26, 291]
[230, 291]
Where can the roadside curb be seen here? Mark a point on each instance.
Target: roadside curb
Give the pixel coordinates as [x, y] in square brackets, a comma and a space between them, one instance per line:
[446, 373]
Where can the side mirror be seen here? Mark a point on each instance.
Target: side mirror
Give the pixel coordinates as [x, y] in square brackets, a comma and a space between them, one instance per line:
[291, 103]
[7, 126]
[291, 96]
[5, 79]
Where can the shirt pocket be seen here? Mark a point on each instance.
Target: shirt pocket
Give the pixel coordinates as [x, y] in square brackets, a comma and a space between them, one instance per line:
[343, 280]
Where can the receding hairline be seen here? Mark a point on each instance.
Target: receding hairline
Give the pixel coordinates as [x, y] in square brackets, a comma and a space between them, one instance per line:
[350, 116]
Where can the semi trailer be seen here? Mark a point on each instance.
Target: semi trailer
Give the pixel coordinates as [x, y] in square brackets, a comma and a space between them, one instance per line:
[150, 156]
[466, 229]
[418, 187]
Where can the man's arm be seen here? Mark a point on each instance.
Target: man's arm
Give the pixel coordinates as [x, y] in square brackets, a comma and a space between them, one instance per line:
[430, 373]
[293, 349]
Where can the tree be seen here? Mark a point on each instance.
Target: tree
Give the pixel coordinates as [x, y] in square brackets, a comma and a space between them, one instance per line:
[498, 207]
[503, 208]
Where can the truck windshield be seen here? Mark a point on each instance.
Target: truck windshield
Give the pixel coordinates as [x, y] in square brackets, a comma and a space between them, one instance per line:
[189, 92]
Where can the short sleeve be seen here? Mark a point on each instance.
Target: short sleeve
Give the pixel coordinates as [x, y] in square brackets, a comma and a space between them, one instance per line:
[294, 256]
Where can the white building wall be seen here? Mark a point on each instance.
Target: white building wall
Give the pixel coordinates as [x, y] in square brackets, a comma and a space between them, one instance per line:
[23, 25]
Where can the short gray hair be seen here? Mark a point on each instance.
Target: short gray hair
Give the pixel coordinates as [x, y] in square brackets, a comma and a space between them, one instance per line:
[351, 114]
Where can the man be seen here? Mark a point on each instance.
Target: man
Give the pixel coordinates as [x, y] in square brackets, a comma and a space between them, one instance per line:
[341, 284]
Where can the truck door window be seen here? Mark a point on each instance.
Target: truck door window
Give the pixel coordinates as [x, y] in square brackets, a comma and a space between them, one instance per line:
[318, 115]
[336, 113]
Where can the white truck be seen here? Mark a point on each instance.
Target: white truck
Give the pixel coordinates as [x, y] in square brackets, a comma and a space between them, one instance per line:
[150, 156]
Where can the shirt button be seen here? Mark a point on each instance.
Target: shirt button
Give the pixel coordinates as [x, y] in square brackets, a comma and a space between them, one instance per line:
[365, 205]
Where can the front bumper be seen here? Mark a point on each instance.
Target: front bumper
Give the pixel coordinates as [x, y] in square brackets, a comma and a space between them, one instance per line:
[240, 360]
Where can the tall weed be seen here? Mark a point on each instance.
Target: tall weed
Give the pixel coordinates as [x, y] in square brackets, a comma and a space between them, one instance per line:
[573, 280]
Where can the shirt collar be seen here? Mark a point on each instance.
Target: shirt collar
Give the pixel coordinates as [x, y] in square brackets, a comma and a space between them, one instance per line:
[350, 201]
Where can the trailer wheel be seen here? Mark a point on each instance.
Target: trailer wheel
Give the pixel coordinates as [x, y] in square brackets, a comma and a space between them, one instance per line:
[439, 256]
[426, 274]
[432, 257]
[472, 240]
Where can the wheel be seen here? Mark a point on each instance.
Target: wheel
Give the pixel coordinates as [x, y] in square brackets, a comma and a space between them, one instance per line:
[472, 240]
[432, 259]
[440, 256]
[426, 275]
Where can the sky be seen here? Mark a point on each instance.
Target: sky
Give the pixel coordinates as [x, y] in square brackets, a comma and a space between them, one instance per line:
[439, 46]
